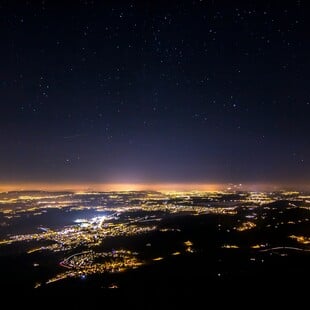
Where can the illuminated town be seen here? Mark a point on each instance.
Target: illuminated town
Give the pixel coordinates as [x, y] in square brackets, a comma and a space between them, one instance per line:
[104, 233]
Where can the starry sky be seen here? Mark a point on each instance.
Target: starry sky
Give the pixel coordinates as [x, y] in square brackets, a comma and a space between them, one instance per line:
[155, 91]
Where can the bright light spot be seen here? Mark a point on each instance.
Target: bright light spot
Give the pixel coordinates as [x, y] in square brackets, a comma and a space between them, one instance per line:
[158, 258]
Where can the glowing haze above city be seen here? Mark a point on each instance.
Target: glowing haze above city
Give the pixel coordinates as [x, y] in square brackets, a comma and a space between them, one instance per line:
[162, 187]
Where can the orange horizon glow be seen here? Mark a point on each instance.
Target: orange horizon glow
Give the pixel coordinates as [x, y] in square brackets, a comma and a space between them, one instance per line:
[109, 187]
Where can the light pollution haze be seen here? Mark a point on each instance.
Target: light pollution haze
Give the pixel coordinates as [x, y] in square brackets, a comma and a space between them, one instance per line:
[106, 187]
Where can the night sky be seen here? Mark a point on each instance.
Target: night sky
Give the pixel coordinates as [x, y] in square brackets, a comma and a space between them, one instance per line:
[155, 91]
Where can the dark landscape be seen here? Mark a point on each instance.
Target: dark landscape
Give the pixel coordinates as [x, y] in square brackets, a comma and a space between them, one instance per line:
[155, 245]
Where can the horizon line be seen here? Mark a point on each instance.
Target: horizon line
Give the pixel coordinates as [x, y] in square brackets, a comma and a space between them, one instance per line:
[168, 186]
